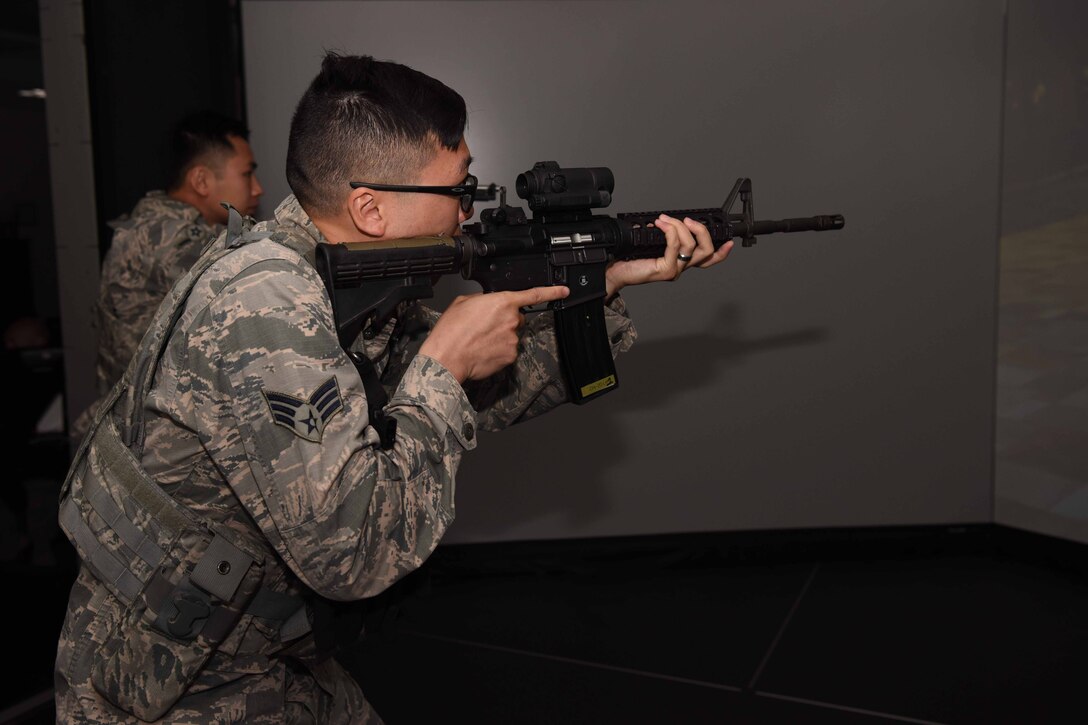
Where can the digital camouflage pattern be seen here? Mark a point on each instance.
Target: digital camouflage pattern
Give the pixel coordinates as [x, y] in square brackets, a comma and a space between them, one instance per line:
[331, 514]
[151, 248]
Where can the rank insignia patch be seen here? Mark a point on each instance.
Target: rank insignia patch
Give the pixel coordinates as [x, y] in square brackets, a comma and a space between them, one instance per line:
[306, 418]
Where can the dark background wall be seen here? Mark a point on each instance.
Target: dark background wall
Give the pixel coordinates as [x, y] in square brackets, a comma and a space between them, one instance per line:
[26, 211]
[149, 65]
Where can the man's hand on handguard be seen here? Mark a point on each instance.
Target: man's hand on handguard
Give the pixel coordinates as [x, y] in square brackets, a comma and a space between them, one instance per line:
[687, 245]
[477, 335]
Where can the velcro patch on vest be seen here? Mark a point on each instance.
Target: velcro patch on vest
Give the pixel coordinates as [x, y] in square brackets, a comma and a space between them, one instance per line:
[306, 418]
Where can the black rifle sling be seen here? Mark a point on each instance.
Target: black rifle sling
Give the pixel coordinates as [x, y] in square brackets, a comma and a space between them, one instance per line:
[376, 399]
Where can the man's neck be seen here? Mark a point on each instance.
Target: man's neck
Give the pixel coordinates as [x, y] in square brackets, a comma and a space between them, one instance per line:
[339, 231]
[186, 196]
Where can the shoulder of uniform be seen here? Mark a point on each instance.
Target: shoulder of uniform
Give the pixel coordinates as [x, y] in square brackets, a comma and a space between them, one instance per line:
[245, 273]
[157, 204]
[163, 226]
[263, 254]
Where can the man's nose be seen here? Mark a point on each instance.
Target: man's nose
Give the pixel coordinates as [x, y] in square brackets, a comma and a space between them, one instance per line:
[257, 188]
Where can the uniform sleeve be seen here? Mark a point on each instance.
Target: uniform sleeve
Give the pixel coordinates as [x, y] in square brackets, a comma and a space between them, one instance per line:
[142, 265]
[123, 310]
[287, 422]
[534, 383]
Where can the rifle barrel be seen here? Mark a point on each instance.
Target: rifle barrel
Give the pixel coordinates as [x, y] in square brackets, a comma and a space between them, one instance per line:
[822, 223]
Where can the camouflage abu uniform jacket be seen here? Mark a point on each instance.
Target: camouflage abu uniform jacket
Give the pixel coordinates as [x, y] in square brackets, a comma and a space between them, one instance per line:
[152, 247]
[258, 421]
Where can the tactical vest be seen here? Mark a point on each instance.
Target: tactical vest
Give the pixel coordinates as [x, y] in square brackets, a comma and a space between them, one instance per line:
[182, 582]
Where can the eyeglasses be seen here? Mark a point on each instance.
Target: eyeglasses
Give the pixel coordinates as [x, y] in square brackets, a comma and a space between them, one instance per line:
[466, 190]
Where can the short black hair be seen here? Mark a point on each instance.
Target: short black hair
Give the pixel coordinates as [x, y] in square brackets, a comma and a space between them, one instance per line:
[196, 137]
[367, 120]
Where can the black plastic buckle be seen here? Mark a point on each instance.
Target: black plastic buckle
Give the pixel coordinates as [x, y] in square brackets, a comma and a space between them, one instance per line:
[185, 613]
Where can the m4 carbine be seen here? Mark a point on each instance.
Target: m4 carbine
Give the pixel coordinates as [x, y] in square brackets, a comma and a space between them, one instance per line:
[563, 243]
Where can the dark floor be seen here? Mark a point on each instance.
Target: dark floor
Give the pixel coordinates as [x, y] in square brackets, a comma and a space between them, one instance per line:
[949, 625]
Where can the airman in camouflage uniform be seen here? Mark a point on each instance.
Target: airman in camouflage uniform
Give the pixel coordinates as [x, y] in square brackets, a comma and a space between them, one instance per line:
[151, 249]
[238, 482]
[166, 232]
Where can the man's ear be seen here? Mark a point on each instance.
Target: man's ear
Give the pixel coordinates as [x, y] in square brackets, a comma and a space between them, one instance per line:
[367, 213]
[199, 178]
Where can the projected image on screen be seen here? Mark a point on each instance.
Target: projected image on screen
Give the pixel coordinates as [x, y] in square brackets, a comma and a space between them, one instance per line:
[1042, 397]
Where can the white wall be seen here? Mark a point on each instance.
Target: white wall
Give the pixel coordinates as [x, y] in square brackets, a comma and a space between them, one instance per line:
[839, 379]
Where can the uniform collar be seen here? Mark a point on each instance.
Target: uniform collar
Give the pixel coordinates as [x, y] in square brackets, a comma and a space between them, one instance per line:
[160, 205]
[303, 236]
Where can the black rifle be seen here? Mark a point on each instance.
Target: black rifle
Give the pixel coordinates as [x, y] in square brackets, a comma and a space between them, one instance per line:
[563, 244]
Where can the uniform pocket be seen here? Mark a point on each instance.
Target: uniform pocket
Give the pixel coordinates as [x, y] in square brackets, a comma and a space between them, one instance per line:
[167, 634]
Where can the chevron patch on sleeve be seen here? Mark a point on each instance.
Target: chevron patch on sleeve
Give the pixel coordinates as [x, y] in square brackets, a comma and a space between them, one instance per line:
[306, 418]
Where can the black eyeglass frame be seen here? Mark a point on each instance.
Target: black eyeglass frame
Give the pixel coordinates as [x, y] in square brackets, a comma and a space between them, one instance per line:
[466, 190]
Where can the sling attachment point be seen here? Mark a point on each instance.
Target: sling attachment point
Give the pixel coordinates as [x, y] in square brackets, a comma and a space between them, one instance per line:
[376, 400]
[194, 600]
